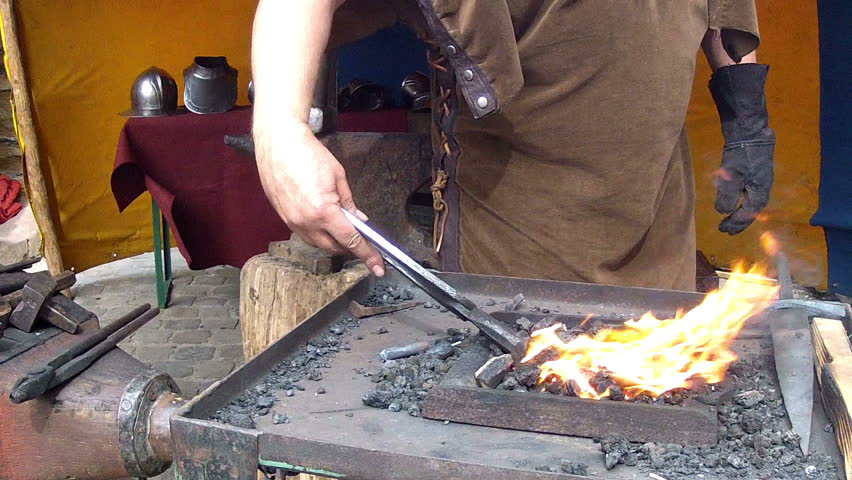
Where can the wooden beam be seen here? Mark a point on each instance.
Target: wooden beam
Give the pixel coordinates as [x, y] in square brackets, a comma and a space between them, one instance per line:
[36, 185]
[833, 354]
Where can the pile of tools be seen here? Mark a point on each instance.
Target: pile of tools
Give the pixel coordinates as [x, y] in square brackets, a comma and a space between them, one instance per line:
[31, 299]
[32, 305]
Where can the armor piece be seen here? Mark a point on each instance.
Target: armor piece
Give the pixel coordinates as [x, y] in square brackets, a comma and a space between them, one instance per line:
[417, 91]
[154, 94]
[210, 85]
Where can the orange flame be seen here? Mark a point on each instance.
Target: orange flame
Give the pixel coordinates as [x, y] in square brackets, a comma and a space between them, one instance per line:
[654, 355]
[770, 244]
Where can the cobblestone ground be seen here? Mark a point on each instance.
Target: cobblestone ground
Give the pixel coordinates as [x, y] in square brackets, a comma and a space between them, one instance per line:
[196, 339]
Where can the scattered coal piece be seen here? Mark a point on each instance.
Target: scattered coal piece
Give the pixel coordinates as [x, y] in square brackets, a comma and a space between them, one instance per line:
[441, 350]
[495, 369]
[516, 302]
[749, 399]
[336, 329]
[524, 324]
[527, 374]
[242, 420]
[265, 402]
[573, 468]
[290, 393]
[549, 354]
[490, 302]
[546, 468]
[615, 447]
[321, 391]
[278, 418]
[382, 330]
[383, 294]
[544, 323]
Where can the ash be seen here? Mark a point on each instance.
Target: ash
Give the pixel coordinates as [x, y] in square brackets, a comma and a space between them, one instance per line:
[755, 439]
[300, 372]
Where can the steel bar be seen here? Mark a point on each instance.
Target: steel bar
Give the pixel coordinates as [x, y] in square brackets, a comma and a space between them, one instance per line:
[496, 331]
[362, 311]
[548, 413]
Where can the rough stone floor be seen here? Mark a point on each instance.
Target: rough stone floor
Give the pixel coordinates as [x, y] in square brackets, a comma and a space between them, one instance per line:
[196, 339]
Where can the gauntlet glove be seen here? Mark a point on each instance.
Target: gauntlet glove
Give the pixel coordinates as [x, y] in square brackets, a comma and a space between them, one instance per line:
[747, 171]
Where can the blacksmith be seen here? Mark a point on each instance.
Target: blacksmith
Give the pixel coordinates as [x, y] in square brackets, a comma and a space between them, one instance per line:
[560, 148]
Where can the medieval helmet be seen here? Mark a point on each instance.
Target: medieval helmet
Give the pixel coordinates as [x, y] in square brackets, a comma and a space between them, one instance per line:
[210, 85]
[153, 94]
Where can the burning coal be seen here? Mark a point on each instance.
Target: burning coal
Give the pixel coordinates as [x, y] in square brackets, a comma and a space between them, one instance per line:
[652, 356]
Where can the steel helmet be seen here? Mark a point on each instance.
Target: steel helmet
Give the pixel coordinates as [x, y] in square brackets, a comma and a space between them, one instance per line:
[153, 94]
[210, 85]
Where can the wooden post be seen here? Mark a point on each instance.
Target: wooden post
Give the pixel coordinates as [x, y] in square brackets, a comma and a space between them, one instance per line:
[36, 186]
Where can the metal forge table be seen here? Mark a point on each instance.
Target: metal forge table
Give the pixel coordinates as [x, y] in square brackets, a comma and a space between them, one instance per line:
[374, 444]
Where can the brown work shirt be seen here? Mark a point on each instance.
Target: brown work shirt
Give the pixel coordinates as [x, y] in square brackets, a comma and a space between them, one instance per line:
[561, 130]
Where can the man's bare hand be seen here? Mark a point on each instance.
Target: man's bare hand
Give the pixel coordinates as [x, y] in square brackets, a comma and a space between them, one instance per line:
[307, 186]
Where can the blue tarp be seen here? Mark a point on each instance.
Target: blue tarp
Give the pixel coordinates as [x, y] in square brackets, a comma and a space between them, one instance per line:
[835, 195]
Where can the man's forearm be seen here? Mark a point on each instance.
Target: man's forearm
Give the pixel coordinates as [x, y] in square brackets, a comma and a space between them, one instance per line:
[288, 40]
[716, 54]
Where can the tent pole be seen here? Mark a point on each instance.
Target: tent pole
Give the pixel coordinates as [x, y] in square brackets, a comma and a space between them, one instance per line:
[37, 188]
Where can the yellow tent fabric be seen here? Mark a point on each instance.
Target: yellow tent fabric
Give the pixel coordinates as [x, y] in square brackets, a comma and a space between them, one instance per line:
[82, 56]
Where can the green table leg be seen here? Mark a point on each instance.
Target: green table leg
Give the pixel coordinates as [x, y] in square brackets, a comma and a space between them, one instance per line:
[162, 256]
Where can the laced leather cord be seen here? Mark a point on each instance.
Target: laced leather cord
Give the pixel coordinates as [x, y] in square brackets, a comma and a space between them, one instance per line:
[441, 177]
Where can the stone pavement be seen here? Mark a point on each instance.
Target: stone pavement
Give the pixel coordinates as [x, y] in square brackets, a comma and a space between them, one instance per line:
[196, 339]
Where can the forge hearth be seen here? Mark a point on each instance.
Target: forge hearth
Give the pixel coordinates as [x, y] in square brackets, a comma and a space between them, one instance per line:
[336, 434]
[457, 398]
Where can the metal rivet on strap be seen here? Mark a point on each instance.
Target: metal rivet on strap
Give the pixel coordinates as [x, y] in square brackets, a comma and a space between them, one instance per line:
[451, 49]
[468, 75]
[482, 102]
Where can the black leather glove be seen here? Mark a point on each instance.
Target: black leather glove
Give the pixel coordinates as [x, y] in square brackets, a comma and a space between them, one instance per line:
[746, 175]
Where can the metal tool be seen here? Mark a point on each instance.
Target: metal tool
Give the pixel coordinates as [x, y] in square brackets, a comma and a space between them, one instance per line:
[38, 289]
[814, 308]
[19, 266]
[80, 356]
[793, 349]
[496, 331]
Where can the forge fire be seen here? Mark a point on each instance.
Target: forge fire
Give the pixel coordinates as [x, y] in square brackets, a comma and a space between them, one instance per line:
[651, 356]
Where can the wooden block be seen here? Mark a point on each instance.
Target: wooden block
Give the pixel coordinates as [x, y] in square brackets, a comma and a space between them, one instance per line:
[833, 354]
[276, 295]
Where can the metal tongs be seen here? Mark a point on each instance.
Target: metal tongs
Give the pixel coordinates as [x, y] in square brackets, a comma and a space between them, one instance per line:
[506, 338]
[80, 356]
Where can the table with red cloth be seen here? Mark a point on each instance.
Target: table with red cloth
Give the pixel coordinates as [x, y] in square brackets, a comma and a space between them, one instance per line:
[208, 192]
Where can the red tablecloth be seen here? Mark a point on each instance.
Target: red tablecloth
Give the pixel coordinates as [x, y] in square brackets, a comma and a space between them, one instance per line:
[208, 192]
